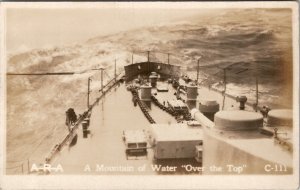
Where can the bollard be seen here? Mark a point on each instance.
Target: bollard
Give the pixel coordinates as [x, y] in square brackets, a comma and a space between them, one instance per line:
[84, 125]
[87, 120]
[242, 100]
[209, 108]
[85, 134]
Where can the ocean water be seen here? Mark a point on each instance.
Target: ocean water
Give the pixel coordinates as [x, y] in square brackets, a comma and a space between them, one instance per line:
[249, 42]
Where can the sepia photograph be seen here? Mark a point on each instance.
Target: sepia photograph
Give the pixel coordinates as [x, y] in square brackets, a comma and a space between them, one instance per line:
[174, 90]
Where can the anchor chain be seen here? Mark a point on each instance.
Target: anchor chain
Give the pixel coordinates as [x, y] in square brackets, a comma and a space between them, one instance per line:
[137, 100]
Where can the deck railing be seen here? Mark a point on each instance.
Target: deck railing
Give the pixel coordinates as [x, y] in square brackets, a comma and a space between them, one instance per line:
[58, 147]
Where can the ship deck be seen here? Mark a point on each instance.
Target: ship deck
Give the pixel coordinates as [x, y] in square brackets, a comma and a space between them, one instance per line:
[104, 146]
[103, 152]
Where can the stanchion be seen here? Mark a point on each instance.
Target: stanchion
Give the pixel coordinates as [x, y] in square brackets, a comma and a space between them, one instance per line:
[28, 166]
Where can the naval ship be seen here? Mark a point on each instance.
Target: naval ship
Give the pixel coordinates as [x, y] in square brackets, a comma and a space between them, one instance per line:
[153, 119]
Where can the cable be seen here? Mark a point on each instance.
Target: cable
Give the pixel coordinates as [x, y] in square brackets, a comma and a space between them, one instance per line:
[107, 75]
[14, 167]
[15, 161]
[47, 73]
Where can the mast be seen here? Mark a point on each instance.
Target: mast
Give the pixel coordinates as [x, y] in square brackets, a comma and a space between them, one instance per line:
[168, 58]
[256, 81]
[148, 52]
[132, 58]
[224, 92]
[102, 80]
[88, 93]
[198, 71]
[115, 70]
[256, 86]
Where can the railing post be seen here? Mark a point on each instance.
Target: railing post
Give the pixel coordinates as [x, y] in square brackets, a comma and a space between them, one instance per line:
[198, 71]
[256, 81]
[28, 165]
[148, 61]
[115, 70]
[132, 58]
[102, 80]
[224, 92]
[88, 93]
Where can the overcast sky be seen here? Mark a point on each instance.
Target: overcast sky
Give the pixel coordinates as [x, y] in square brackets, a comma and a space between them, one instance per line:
[37, 28]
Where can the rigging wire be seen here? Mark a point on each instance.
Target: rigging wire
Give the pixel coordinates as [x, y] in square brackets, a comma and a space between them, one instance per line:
[36, 147]
[107, 74]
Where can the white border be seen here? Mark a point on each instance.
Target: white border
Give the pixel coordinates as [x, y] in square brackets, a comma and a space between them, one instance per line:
[154, 182]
